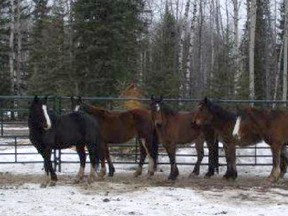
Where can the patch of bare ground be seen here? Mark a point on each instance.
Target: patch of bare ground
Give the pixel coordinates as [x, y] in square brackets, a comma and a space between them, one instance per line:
[125, 182]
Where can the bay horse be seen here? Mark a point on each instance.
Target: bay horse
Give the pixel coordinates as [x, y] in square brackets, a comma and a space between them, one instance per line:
[120, 127]
[48, 131]
[176, 128]
[224, 122]
[272, 127]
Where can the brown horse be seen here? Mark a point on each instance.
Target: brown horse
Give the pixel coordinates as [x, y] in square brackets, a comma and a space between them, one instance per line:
[120, 127]
[271, 126]
[176, 128]
[223, 122]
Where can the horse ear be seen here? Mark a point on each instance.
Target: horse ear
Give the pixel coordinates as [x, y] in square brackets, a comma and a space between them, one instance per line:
[161, 97]
[79, 99]
[152, 97]
[36, 99]
[206, 100]
[45, 99]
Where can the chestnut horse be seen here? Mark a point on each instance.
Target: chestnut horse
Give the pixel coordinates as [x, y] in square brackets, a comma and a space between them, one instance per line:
[224, 122]
[120, 127]
[271, 126]
[176, 128]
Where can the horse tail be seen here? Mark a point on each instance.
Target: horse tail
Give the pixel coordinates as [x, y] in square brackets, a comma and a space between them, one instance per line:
[155, 147]
[216, 155]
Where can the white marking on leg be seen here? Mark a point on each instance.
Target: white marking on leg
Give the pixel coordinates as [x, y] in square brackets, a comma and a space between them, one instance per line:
[48, 121]
[45, 181]
[79, 175]
[237, 127]
[151, 161]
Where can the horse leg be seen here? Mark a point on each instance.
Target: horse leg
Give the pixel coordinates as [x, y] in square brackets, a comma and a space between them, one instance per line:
[213, 162]
[172, 156]
[148, 147]
[199, 145]
[275, 173]
[48, 170]
[82, 156]
[283, 161]
[92, 150]
[47, 177]
[230, 153]
[109, 161]
[143, 155]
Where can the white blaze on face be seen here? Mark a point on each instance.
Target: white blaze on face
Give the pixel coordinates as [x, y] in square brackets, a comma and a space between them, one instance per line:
[77, 108]
[48, 121]
[157, 107]
[237, 127]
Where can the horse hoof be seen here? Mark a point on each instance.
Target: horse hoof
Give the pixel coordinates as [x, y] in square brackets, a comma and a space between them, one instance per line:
[150, 173]
[173, 178]
[208, 175]
[102, 173]
[271, 179]
[52, 184]
[111, 174]
[76, 181]
[43, 185]
[138, 172]
[193, 175]
[91, 179]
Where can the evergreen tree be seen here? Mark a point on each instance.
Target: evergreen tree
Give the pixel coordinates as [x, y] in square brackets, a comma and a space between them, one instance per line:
[163, 79]
[263, 54]
[48, 57]
[105, 40]
[221, 84]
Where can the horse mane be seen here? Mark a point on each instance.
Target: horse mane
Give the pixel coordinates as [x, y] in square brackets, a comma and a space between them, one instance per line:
[167, 110]
[222, 113]
[94, 110]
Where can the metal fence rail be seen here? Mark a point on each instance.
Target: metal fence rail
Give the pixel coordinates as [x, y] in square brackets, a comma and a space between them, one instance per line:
[14, 133]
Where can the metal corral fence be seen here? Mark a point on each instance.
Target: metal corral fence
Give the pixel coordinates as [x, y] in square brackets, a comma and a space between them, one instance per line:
[14, 140]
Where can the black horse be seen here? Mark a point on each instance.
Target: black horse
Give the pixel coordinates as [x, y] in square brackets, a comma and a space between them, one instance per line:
[47, 132]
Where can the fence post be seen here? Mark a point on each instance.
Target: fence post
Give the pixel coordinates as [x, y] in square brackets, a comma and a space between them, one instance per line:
[2, 117]
[58, 110]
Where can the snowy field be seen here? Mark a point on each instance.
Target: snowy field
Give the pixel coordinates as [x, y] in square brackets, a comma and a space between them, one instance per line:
[20, 192]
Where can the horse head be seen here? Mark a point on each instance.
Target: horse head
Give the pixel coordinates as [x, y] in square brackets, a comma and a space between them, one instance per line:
[203, 114]
[156, 112]
[76, 103]
[38, 113]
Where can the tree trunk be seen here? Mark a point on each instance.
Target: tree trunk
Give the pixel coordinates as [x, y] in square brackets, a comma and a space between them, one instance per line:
[189, 70]
[253, 9]
[284, 95]
[19, 50]
[278, 69]
[183, 55]
[11, 46]
[236, 43]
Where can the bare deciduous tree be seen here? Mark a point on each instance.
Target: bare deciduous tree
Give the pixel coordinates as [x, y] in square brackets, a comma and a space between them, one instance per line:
[252, 14]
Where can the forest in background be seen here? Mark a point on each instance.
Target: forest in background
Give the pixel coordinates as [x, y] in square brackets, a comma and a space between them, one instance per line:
[229, 49]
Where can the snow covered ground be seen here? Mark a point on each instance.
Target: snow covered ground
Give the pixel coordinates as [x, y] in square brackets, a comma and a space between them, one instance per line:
[20, 192]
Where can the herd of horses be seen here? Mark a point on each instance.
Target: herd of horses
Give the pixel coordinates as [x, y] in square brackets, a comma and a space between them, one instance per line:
[93, 128]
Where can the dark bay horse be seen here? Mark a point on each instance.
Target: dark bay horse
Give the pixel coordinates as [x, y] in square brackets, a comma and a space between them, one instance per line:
[272, 127]
[223, 121]
[120, 127]
[47, 132]
[176, 128]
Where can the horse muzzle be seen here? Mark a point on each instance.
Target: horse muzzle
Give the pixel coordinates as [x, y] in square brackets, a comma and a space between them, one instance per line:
[158, 124]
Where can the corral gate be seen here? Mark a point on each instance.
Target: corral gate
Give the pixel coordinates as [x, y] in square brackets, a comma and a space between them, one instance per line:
[14, 133]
